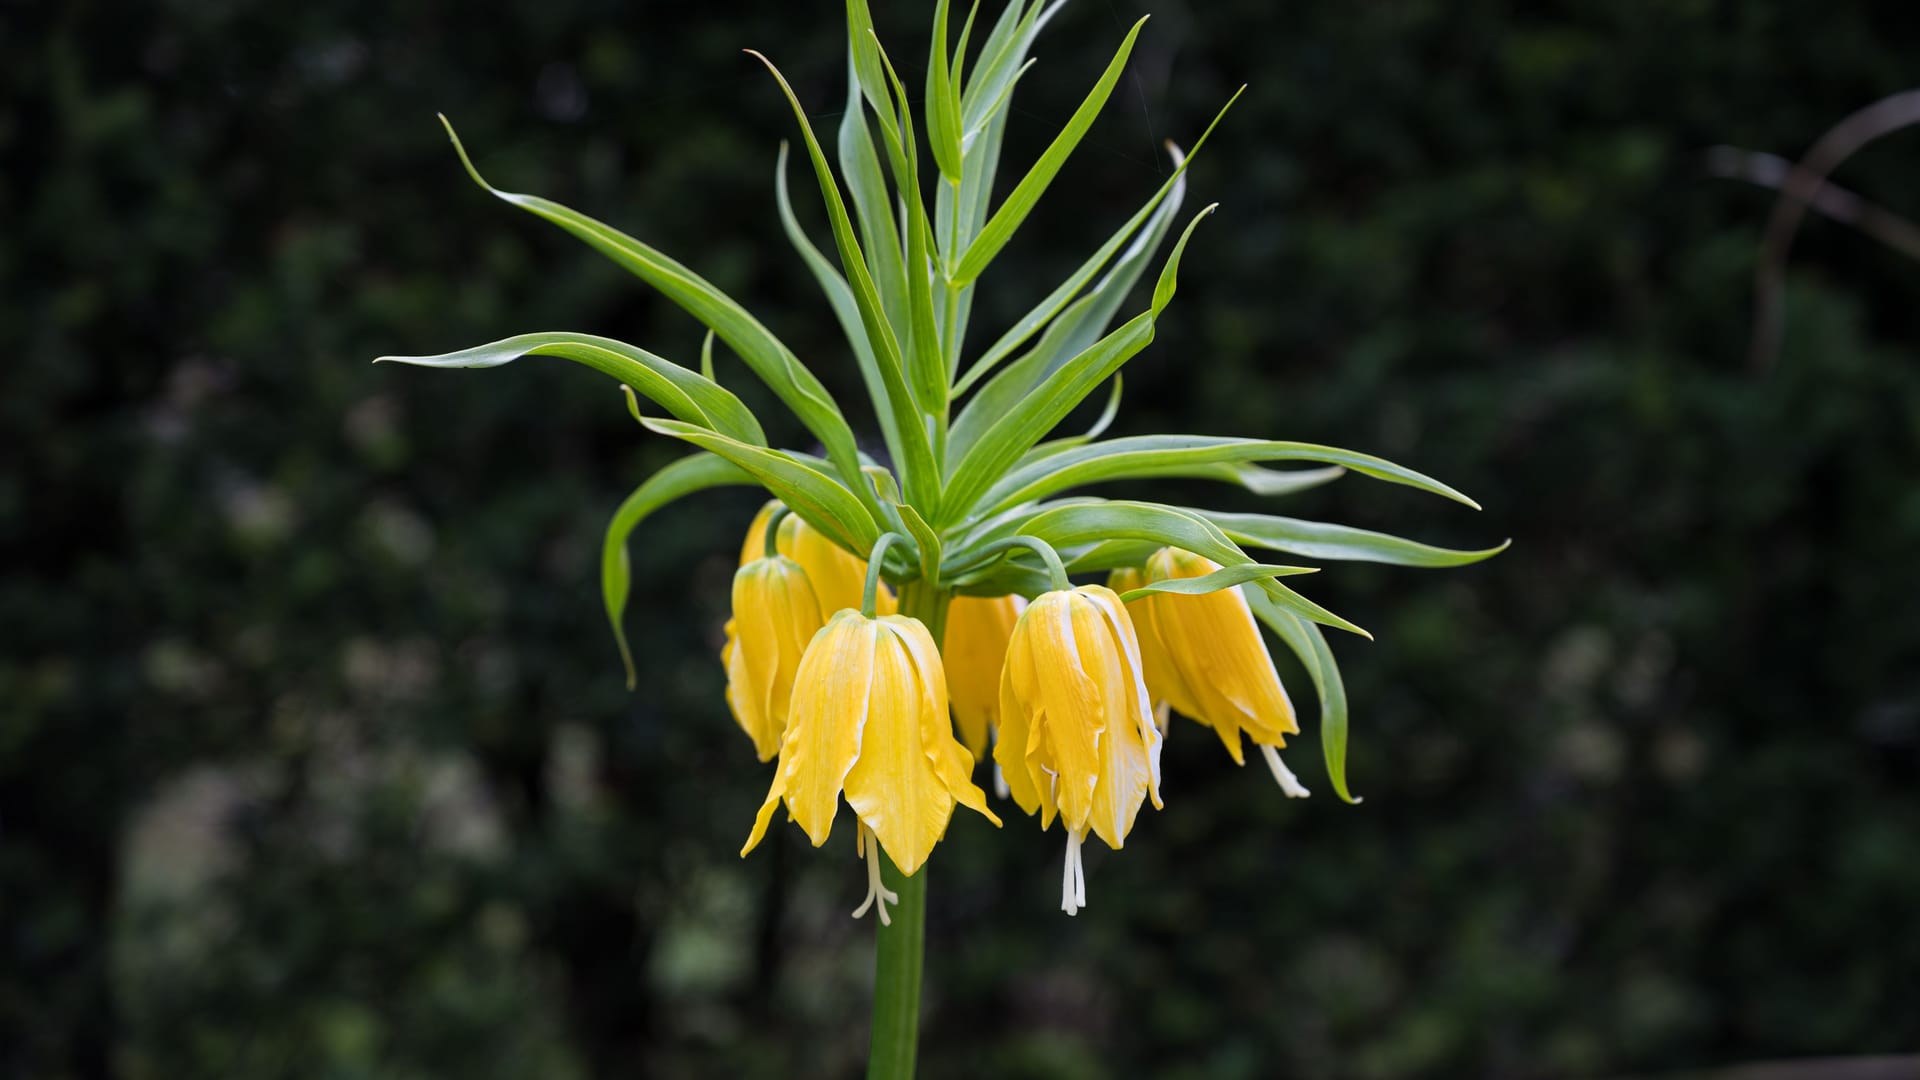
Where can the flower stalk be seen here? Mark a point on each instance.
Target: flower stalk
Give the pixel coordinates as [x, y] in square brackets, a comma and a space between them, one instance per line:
[899, 952]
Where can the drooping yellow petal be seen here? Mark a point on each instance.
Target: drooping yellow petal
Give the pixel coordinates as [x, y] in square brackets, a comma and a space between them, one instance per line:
[1130, 754]
[775, 615]
[893, 786]
[829, 708]
[1017, 682]
[1163, 679]
[975, 651]
[1070, 647]
[1214, 644]
[951, 761]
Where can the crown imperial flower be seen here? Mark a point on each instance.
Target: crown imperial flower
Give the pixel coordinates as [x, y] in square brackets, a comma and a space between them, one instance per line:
[774, 616]
[1206, 658]
[869, 717]
[1077, 738]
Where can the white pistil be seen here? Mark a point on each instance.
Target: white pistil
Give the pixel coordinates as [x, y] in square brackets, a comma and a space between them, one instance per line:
[1073, 877]
[1289, 783]
[869, 846]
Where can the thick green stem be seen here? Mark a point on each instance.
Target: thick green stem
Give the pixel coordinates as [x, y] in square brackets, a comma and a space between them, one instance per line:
[901, 947]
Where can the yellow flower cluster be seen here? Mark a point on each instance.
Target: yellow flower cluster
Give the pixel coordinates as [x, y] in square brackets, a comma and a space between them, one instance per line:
[1071, 691]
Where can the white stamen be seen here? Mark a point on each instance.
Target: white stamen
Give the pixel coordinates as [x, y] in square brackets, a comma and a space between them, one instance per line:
[1163, 718]
[870, 847]
[1289, 783]
[1073, 877]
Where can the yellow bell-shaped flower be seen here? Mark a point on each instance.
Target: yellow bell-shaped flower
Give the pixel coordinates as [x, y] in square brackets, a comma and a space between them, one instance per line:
[869, 716]
[837, 574]
[1077, 738]
[978, 629]
[775, 615]
[1207, 659]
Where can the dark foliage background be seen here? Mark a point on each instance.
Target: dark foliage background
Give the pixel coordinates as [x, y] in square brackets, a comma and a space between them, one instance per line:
[314, 756]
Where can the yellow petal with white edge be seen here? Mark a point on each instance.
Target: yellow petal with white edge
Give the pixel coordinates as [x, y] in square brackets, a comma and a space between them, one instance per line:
[1070, 640]
[830, 707]
[951, 761]
[1141, 729]
[893, 786]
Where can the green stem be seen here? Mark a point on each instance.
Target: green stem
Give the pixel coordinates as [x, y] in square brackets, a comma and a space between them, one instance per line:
[900, 949]
[774, 521]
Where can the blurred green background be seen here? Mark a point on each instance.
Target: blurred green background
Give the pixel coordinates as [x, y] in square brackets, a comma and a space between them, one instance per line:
[315, 759]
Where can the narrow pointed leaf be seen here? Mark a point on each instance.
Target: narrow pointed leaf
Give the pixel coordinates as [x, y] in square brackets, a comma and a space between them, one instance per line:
[814, 495]
[926, 362]
[921, 472]
[1025, 422]
[1142, 456]
[1091, 315]
[770, 359]
[682, 478]
[1321, 540]
[1098, 522]
[1227, 577]
[943, 108]
[686, 394]
[873, 206]
[1020, 201]
[845, 309]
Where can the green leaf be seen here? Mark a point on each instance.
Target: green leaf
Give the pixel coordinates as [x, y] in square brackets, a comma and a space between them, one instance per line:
[683, 477]
[1020, 201]
[1271, 481]
[873, 206]
[1103, 521]
[864, 48]
[1227, 577]
[921, 473]
[1070, 333]
[819, 499]
[1100, 424]
[706, 357]
[926, 363]
[840, 299]
[688, 395]
[943, 108]
[1025, 422]
[925, 539]
[770, 359]
[1310, 645]
[1320, 540]
[955, 77]
[1001, 56]
[1140, 456]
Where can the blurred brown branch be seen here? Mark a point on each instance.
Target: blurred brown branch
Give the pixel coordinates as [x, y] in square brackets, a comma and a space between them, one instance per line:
[1802, 187]
[1837, 203]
